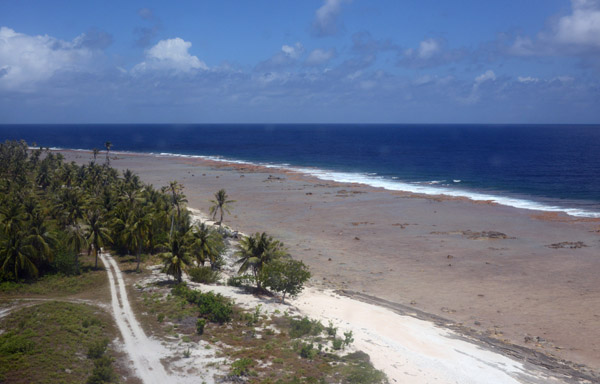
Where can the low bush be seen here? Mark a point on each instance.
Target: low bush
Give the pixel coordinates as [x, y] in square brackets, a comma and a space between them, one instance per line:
[304, 326]
[214, 307]
[97, 349]
[103, 371]
[200, 326]
[204, 275]
[307, 351]
[241, 367]
[337, 344]
[241, 281]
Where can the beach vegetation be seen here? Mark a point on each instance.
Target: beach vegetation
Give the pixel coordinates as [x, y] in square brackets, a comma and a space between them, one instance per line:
[176, 257]
[285, 275]
[51, 211]
[256, 251]
[204, 275]
[49, 342]
[207, 245]
[220, 205]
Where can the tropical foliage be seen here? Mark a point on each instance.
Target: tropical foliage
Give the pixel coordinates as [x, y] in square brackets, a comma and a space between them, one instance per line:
[221, 204]
[256, 251]
[49, 207]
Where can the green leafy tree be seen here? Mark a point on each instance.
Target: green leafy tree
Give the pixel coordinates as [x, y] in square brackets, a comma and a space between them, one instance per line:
[176, 258]
[206, 244]
[220, 205]
[286, 276]
[256, 251]
[97, 234]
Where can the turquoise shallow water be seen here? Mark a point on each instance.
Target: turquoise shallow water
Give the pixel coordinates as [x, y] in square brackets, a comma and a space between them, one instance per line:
[553, 168]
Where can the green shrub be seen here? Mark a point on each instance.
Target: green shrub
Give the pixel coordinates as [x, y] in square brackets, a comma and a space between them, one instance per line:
[11, 343]
[304, 326]
[337, 344]
[200, 326]
[307, 351]
[215, 307]
[65, 262]
[103, 371]
[204, 275]
[241, 281]
[241, 367]
[97, 349]
[331, 330]
[348, 339]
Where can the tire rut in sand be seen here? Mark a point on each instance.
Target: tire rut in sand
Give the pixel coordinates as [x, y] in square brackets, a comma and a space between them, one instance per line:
[144, 353]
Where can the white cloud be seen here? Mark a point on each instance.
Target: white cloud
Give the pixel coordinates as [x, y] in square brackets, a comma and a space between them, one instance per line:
[27, 60]
[170, 54]
[575, 33]
[474, 96]
[582, 27]
[527, 79]
[320, 56]
[293, 51]
[487, 75]
[326, 18]
[428, 48]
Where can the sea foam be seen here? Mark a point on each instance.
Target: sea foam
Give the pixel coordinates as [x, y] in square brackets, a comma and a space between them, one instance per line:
[433, 188]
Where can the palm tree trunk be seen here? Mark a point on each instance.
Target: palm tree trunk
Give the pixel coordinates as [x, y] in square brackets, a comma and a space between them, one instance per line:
[138, 258]
[96, 254]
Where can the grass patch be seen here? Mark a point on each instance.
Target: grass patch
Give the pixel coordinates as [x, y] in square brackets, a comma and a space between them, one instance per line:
[57, 285]
[48, 343]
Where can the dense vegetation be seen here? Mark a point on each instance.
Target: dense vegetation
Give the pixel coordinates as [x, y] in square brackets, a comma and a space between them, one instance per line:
[50, 211]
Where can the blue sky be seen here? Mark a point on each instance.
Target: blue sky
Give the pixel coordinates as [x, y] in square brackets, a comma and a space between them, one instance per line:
[303, 61]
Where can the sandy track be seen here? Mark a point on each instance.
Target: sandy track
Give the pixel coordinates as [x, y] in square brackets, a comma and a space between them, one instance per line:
[145, 353]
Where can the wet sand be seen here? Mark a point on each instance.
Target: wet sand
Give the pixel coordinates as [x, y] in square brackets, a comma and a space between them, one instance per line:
[514, 276]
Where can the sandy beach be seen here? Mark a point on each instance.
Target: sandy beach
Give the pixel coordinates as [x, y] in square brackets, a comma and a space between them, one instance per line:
[515, 280]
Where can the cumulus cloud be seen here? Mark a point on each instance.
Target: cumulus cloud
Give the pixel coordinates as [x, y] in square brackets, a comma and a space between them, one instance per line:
[487, 75]
[326, 22]
[288, 55]
[428, 48]
[294, 51]
[475, 95]
[319, 56]
[582, 27]
[577, 33]
[170, 55]
[26, 60]
[430, 53]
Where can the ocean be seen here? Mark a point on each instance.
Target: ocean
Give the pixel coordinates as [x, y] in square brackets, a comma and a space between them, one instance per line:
[552, 168]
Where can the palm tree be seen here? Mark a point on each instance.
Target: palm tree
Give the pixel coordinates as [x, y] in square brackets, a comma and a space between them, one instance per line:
[133, 231]
[41, 236]
[108, 144]
[220, 204]
[17, 255]
[97, 233]
[176, 258]
[76, 241]
[206, 244]
[256, 251]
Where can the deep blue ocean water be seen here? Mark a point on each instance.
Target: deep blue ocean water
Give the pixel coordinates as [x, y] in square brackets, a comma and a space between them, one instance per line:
[547, 167]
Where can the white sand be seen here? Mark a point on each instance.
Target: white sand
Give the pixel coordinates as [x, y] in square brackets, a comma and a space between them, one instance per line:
[407, 349]
[147, 354]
